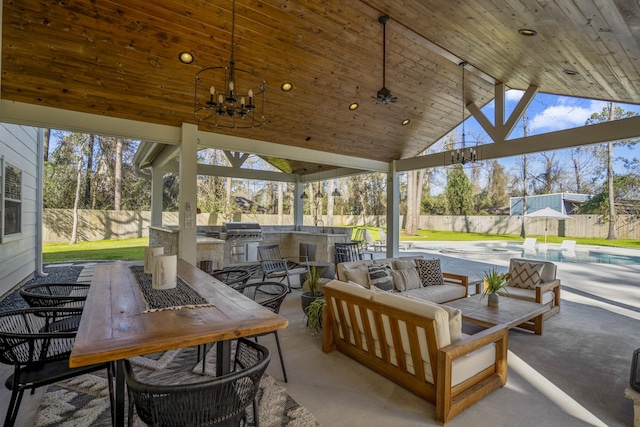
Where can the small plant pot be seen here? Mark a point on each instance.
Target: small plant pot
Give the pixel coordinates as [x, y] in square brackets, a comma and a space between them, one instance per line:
[493, 300]
[307, 298]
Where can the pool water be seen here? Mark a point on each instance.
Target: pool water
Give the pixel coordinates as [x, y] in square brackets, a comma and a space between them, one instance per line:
[555, 255]
[585, 257]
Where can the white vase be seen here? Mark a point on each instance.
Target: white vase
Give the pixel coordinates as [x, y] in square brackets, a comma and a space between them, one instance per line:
[493, 300]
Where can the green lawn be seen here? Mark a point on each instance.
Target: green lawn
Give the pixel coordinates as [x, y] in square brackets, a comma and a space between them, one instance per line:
[125, 250]
[133, 249]
[436, 235]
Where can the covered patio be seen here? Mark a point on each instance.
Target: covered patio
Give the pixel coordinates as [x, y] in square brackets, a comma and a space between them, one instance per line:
[572, 375]
[112, 68]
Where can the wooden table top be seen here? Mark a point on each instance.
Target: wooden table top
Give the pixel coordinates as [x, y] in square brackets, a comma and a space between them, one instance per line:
[511, 311]
[114, 325]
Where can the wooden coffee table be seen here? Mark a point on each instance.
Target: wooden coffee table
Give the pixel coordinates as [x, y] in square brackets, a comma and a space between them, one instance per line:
[511, 311]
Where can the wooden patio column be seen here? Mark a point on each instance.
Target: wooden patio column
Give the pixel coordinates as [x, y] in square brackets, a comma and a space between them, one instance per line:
[188, 167]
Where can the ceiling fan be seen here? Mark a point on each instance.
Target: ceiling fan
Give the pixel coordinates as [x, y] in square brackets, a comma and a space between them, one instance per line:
[384, 95]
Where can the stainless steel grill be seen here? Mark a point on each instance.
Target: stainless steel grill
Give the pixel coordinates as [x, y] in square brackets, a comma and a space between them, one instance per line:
[243, 231]
[244, 238]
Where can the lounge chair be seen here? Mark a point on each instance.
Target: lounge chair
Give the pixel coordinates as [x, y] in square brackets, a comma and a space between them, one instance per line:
[529, 245]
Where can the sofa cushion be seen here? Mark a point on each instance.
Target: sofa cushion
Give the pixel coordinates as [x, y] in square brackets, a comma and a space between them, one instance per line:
[455, 317]
[472, 363]
[455, 322]
[350, 288]
[524, 274]
[380, 277]
[407, 279]
[527, 294]
[422, 308]
[358, 275]
[439, 294]
[404, 264]
[429, 271]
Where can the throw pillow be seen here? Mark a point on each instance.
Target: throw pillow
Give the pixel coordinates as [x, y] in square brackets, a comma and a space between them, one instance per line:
[404, 280]
[358, 275]
[380, 277]
[455, 322]
[402, 264]
[525, 275]
[429, 272]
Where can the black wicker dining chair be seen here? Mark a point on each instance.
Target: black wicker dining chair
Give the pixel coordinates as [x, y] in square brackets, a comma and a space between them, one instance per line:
[219, 401]
[55, 294]
[232, 276]
[38, 342]
[269, 295]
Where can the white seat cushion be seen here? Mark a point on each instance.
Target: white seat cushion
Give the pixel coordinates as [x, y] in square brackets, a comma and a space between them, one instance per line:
[439, 293]
[472, 363]
[526, 294]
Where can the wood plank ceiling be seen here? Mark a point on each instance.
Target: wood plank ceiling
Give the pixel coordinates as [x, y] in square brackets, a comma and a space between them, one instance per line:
[120, 58]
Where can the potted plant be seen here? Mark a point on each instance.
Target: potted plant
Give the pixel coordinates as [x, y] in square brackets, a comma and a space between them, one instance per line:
[493, 281]
[313, 282]
[314, 315]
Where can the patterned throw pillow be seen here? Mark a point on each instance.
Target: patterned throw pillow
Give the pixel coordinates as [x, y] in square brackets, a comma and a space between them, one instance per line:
[429, 272]
[525, 275]
[380, 277]
[407, 279]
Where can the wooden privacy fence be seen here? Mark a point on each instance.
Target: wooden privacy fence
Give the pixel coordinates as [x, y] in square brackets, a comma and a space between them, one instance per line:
[100, 225]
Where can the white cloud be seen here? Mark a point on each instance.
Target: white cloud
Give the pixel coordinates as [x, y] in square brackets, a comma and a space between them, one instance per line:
[513, 95]
[565, 114]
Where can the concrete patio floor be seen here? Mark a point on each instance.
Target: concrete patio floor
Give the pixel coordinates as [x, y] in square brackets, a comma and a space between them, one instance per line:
[574, 374]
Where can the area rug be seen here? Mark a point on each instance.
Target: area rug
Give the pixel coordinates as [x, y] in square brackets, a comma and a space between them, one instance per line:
[84, 401]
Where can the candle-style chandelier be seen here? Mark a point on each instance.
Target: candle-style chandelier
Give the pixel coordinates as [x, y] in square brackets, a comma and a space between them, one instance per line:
[227, 96]
[460, 154]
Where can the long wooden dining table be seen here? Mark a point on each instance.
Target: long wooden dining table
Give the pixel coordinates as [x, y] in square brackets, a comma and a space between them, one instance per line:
[116, 324]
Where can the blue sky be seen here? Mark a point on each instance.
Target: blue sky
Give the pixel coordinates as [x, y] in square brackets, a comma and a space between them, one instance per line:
[546, 113]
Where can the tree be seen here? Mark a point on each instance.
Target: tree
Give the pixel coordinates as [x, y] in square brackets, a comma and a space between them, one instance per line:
[611, 112]
[626, 191]
[494, 195]
[585, 168]
[459, 192]
[550, 179]
[79, 163]
[117, 176]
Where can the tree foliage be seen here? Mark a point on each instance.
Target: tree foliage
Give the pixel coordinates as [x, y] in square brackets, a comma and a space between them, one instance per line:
[458, 192]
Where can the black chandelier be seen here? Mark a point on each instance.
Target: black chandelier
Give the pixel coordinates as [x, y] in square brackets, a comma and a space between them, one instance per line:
[460, 154]
[228, 96]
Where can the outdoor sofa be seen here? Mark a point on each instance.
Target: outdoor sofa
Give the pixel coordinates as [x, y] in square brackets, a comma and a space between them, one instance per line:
[416, 344]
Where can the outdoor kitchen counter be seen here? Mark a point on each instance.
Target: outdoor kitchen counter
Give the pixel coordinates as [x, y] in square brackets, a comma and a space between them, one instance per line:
[289, 242]
[209, 249]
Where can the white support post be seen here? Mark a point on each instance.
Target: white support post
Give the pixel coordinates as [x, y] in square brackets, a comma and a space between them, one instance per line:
[298, 205]
[393, 211]
[157, 181]
[188, 200]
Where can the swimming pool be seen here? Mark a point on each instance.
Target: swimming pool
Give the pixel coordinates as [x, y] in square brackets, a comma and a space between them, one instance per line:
[505, 251]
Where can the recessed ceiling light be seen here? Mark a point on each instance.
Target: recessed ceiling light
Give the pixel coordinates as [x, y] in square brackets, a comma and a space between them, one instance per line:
[406, 122]
[286, 87]
[186, 57]
[570, 72]
[354, 106]
[527, 32]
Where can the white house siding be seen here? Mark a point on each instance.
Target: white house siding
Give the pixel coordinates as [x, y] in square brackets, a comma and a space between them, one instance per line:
[18, 145]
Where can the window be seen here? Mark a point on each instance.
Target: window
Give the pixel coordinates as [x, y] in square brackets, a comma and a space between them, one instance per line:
[12, 197]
